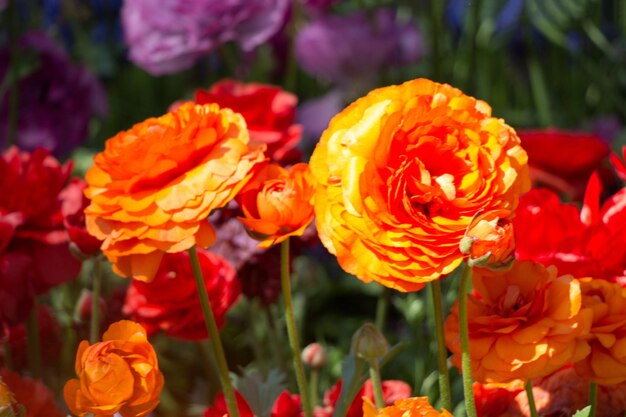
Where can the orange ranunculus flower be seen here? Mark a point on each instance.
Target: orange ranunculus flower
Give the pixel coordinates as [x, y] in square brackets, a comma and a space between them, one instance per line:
[410, 407]
[524, 323]
[401, 173]
[277, 203]
[489, 239]
[118, 375]
[154, 185]
[606, 364]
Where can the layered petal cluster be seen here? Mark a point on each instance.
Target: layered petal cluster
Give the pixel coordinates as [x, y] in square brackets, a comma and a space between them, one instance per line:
[170, 302]
[118, 375]
[154, 185]
[34, 251]
[182, 31]
[402, 171]
[269, 112]
[589, 242]
[410, 407]
[278, 203]
[37, 398]
[489, 239]
[524, 323]
[606, 364]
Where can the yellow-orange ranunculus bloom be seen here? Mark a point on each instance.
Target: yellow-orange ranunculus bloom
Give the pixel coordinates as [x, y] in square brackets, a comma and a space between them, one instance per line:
[402, 171]
[489, 239]
[606, 364]
[409, 407]
[118, 375]
[154, 185]
[277, 203]
[524, 323]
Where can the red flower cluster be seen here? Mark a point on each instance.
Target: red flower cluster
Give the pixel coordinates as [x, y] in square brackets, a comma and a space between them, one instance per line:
[588, 242]
[392, 391]
[32, 394]
[34, 252]
[170, 302]
[286, 405]
[563, 161]
[269, 113]
[73, 207]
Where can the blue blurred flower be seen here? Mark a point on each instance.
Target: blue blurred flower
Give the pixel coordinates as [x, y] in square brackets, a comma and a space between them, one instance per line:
[341, 48]
[165, 36]
[57, 98]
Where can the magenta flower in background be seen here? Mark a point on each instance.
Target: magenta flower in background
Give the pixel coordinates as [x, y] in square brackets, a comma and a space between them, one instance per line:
[56, 99]
[342, 48]
[166, 36]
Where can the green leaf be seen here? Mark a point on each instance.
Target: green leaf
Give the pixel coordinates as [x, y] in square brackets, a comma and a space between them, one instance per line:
[261, 394]
[352, 376]
[584, 412]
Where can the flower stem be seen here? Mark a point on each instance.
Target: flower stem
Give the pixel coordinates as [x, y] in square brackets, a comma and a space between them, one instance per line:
[593, 398]
[214, 335]
[315, 377]
[466, 362]
[94, 331]
[442, 352]
[291, 328]
[33, 344]
[531, 398]
[381, 309]
[376, 383]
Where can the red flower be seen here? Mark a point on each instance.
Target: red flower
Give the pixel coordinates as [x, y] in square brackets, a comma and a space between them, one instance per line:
[269, 113]
[170, 302]
[32, 394]
[49, 334]
[392, 391]
[73, 207]
[590, 242]
[34, 254]
[493, 400]
[286, 405]
[563, 160]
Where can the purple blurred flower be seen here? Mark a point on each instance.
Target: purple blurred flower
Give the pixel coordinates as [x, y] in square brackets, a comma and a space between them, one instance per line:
[165, 36]
[56, 99]
[341, 48]
[316, 7]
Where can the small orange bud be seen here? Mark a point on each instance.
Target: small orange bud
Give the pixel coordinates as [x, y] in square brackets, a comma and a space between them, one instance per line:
[489, 239]
[314, 355]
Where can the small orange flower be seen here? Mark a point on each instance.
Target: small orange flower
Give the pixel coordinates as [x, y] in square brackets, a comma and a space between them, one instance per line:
[154, 185]
[410, 407]
[524, 323]
[402, 171]
[606, 364]
[277, 203]
[119, 374]
[489, 239]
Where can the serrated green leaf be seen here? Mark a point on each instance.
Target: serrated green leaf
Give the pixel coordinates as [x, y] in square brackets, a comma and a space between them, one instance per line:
[261, 394]
[584, 412]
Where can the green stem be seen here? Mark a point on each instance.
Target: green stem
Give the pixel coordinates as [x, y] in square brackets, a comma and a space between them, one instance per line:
[315, 377]
[381, 309]
[94, 334]
[593, 399]
[33, 344]
[539, 91]
[442, 352]
[214, 335]
[466, 361]
[531, 399]
[436, 17]
[377, 383]
[290, 320]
